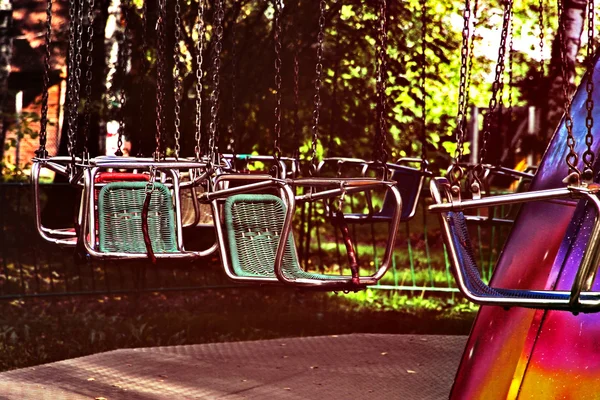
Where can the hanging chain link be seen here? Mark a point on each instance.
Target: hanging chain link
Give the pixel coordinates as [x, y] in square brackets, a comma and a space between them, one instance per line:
[219, 15]
[497, 85]
[122, 66]
[41, 152]
[278, 79]
[296, 121]
[144, 72]
[200, 29]
[511, 51]
[422, 80]
[87, 110]
[161, 32]
[588, 155]
[177, 78]
[456, 172]
[470, 66]
[234, 58]
[541, 36]
[318, 82]
[381, 153]
[572, 158]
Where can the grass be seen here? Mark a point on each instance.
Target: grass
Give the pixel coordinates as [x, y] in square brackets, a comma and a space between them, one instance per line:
[40, 331]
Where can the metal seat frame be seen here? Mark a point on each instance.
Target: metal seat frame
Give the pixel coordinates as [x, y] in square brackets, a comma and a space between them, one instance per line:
[327, 188]
[169, 176]
[579, 299]
[365, 167]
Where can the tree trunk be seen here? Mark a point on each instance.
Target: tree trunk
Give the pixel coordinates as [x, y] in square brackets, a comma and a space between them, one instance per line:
[5, 58]
[574, 16]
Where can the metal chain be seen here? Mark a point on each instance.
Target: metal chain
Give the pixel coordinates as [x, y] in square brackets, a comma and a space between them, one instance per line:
[588, 155]
[541, 36]
[78, 59]
[470, 65]
[511, 51]
[233, 121]
[200, 29]
[41, 152]
[219, 15]
[87, 110]
[296, 91]
[160, 77]
[422, 80]
[382, 153]
[122, 65]
[71, 79]
[278, 95]
[318, 82]
[177, 78]
[144, 72]
[572, 158]
[496, 86]
[456, 172]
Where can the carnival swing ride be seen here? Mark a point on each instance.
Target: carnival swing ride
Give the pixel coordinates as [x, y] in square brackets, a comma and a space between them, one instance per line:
[541, 300]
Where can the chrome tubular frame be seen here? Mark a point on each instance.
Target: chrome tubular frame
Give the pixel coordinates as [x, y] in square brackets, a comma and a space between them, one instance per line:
[346, 186]
[579, 299]
[64, 237]
[257, 183]
[366, 166]
[166, 168]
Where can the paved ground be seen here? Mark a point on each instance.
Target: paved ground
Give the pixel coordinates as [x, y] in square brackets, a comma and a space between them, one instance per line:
[410, 367]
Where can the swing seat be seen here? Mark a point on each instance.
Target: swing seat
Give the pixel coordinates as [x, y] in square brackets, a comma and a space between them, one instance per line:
[466, 272]
[120, 207]
[253, 223]
[409, 183]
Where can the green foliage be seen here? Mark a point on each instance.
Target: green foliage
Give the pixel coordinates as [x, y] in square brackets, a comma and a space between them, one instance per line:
[21, 129]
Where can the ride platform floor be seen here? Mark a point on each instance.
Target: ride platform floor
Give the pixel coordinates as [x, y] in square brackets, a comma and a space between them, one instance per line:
[357, 366]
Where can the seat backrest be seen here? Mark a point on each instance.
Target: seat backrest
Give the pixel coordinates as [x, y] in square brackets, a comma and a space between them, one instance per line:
[409, 182]
[529, 353]
[120, 206]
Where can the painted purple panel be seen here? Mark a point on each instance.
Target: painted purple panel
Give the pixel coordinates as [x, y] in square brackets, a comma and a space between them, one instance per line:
[508, 350]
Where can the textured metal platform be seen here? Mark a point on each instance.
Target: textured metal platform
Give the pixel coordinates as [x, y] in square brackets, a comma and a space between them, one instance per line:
[355, 366]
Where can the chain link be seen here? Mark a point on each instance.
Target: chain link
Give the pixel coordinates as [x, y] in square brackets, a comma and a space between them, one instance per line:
[511, 51]
[278, 95]
[381, 153]
[177, 78]
[200, 29]
[144, 72]
[541, 36]
[422, 80]
[588, 155]
[87, 110]
[318, 82]
[219, 15]
[572, 158]
[497, 85]
[234, 58]
[71, 79]
[41, 152]
[124, 53]
[161, 32]
[456, 172]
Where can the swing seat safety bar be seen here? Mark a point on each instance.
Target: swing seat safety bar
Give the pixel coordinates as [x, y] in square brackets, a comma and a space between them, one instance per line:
[456, 237]
[258, 245]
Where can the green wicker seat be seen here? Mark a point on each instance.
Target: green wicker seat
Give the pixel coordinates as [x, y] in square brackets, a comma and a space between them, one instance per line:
[120, 207]
[253, 223]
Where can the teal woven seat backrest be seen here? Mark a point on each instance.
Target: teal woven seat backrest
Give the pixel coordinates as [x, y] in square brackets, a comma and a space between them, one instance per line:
[254, 223]
[120, 207]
